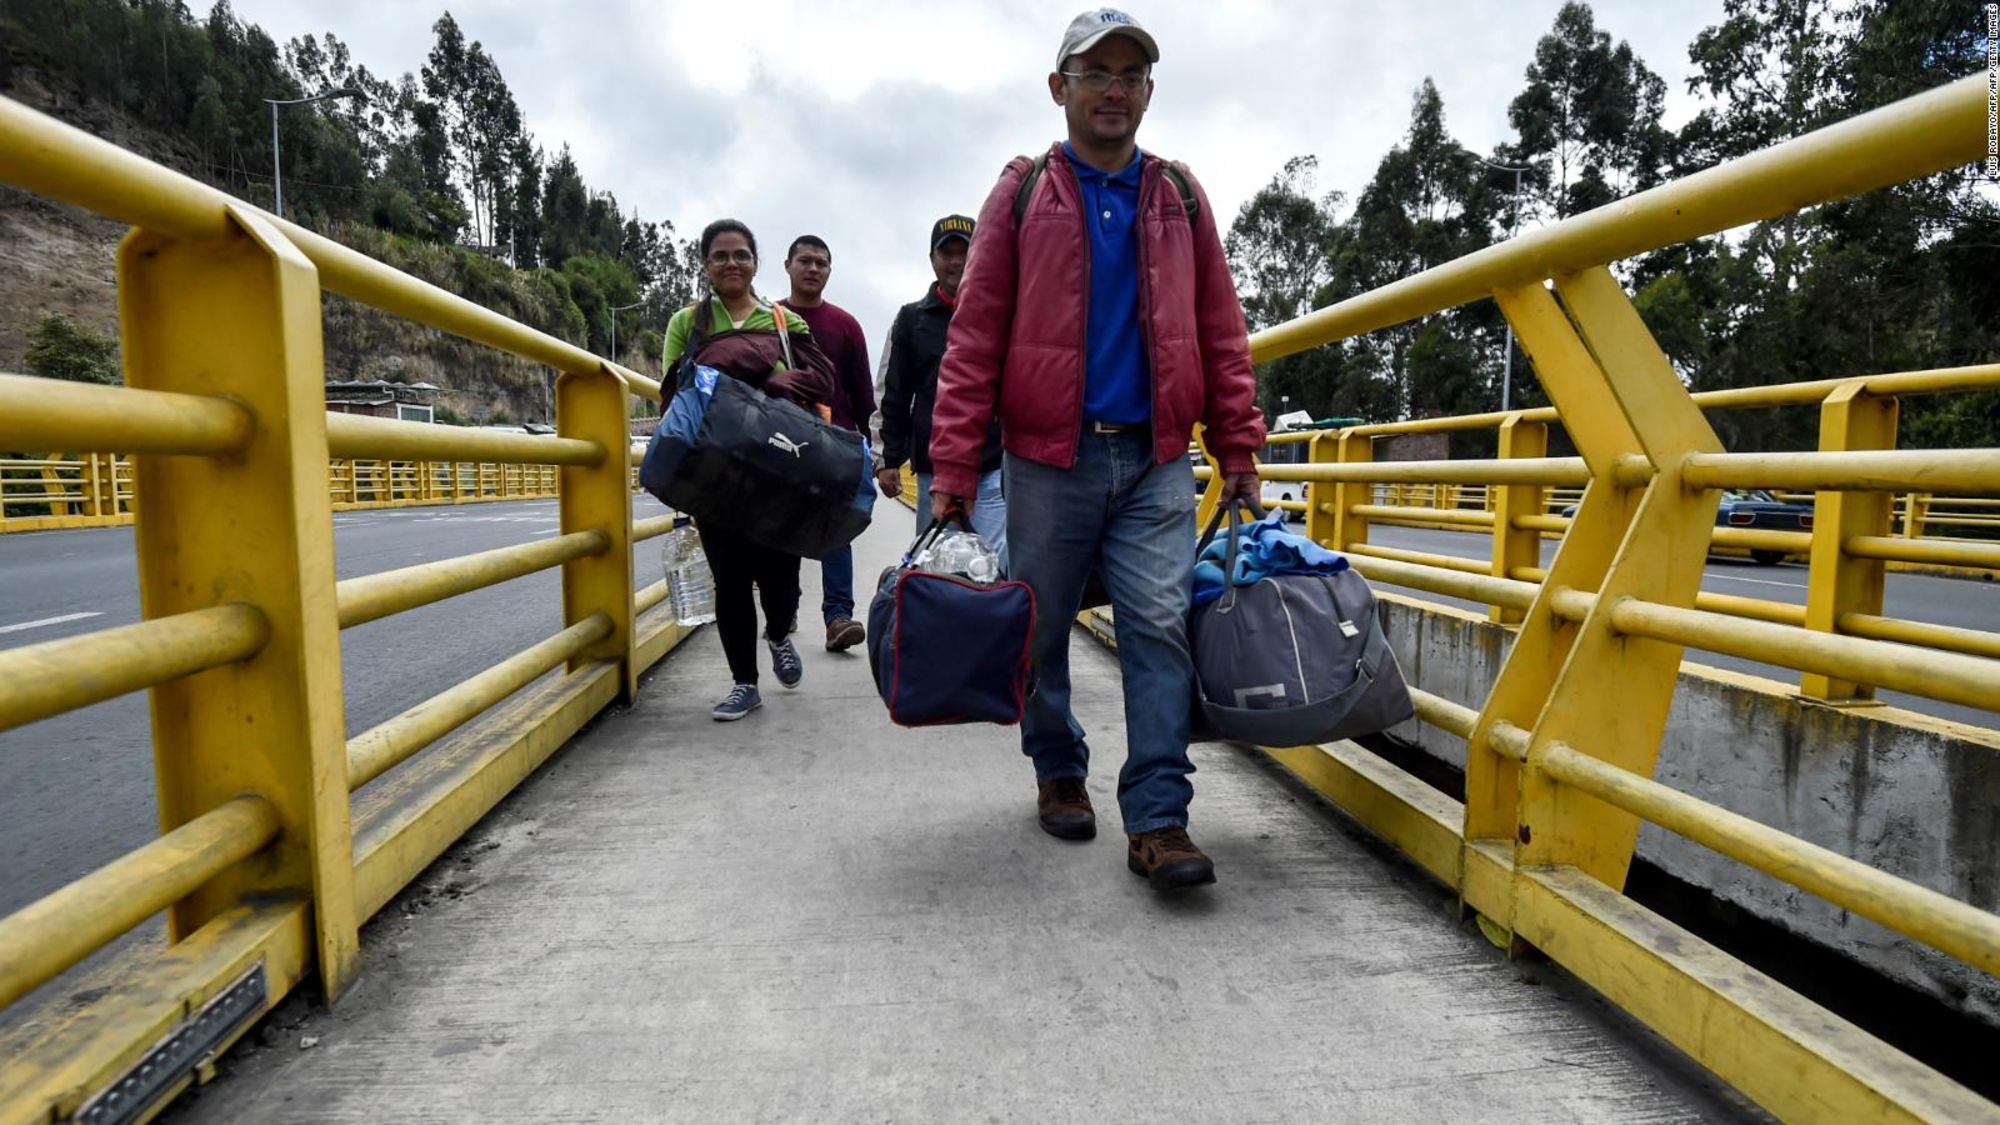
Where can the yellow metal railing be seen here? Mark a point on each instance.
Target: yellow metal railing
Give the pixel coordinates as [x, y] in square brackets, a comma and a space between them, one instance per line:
[95, 489]
[279, 835]
[1537, 490]
[1560, 754]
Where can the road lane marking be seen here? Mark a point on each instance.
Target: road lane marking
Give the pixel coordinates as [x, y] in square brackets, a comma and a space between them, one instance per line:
[26, 625]
[1758, 581]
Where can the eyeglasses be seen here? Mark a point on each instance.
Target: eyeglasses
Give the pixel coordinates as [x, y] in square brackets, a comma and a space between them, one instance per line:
[725, 257]
[1098, 81]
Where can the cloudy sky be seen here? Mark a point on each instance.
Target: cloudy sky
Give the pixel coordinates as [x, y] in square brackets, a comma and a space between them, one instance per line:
[864, 121]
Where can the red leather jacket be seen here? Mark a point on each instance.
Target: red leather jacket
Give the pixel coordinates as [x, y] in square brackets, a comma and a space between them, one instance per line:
[1017, 336]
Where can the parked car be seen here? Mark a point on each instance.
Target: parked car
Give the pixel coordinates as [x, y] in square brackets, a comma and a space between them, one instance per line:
[1758, 510]
[1286, 490]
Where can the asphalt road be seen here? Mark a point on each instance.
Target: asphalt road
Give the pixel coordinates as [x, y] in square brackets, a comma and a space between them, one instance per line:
[1966, 603]
[77, 790]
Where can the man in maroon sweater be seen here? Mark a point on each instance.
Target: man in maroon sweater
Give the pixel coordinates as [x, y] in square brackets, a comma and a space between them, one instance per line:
[809, 264]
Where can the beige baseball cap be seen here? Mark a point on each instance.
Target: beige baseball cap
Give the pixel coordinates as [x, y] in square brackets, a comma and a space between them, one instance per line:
[1090, 28]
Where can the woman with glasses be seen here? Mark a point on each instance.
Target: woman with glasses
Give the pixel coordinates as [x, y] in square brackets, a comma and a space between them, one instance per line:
[732, 330]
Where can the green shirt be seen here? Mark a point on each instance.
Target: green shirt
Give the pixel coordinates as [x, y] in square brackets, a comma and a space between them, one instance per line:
[718, 320]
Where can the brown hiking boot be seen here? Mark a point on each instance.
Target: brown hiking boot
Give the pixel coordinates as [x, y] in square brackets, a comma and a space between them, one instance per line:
[1169, 860]
[1065, 809]
[843, 633]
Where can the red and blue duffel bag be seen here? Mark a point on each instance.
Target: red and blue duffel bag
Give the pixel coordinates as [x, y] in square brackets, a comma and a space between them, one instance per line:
[947, 650]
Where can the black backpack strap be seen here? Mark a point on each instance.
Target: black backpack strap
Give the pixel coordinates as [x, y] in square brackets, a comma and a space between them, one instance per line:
[1190, 202]
[1027, 189]
[698, 327]
[1174, 170]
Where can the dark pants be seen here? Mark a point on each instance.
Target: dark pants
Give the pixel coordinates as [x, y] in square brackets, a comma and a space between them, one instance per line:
[1133, 521]
[836, 583]
[738, 564]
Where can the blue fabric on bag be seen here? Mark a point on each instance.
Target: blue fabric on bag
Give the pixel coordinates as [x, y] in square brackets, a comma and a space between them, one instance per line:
[1263, 549]
[678, 428]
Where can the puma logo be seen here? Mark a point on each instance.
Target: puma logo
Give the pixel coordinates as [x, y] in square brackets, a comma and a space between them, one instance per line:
[784, 442]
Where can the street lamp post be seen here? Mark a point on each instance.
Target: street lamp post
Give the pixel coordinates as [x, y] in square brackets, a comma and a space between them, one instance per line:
[615, 310]
[1513, 227]
[277, 179]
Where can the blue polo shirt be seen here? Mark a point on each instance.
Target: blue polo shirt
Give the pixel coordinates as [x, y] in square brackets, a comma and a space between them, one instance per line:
[1117, 386]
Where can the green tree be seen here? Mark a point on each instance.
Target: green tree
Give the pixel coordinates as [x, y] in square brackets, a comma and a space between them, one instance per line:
[1280, 247]
[565, 210]
[1589, 119]
[60, 347]
[479, 115]
[522, 220]
[597, 284]
[1430, 201]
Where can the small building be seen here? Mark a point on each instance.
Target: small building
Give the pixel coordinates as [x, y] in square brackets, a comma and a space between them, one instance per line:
[379, 398]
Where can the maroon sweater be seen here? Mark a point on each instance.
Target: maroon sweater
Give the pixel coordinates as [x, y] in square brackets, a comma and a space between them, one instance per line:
[841, 338]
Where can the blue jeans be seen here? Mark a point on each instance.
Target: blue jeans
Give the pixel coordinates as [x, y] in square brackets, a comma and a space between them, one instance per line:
[836, 584]
[989, 512]
[1134, 521]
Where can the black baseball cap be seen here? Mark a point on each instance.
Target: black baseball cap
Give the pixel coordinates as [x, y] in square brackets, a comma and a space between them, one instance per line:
[951, 226]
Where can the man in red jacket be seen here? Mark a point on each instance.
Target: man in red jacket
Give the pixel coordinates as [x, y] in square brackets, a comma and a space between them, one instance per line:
[1101, 327]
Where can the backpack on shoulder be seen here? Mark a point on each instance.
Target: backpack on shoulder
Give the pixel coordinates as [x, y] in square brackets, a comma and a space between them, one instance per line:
[1174, 169]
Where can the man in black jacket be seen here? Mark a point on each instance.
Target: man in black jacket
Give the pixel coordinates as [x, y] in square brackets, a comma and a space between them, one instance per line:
[906, 390]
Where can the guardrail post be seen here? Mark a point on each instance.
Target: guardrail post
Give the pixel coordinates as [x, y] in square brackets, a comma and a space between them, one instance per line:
[1613, 693]
[1349, 528]
[54, 492]
[94, 484]
[255, 527]
[1916, 509]
[1514, 547]
[1322, 449]
[591, 405]
[1839, 583]
[1211, 494]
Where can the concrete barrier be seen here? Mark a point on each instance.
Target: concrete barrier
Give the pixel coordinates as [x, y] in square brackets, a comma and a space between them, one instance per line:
[1915, 796]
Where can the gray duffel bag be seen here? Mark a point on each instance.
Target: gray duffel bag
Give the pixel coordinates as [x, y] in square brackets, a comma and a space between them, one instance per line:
[1293, 660]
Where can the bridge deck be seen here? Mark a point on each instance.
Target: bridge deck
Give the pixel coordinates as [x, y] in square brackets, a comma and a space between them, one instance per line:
[813, 914]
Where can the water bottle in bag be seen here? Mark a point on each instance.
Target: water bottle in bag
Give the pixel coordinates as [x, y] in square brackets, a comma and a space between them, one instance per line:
[962, 554]
[690, 584]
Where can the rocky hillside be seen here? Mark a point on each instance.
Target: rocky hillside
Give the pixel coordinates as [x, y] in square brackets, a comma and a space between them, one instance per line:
[57, 259]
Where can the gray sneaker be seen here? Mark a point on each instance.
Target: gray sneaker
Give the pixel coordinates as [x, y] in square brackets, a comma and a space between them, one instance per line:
[786, 663]
[741, 700]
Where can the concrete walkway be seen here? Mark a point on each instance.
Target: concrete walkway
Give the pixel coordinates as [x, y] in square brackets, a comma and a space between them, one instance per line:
[813, 915]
